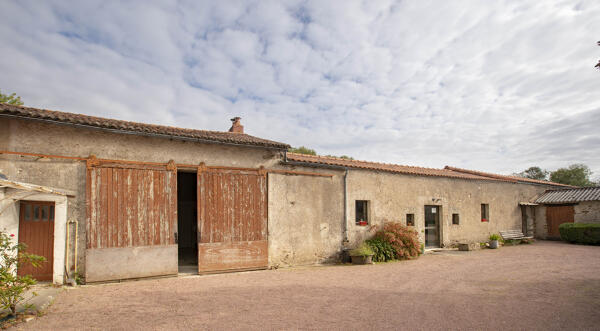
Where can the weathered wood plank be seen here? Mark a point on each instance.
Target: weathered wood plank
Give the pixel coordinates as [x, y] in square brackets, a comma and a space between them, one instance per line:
[232, 255]
[232, 220]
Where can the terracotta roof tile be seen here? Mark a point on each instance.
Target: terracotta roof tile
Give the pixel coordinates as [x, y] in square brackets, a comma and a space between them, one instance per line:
[134, 127]
[334, 161]
[505, 177]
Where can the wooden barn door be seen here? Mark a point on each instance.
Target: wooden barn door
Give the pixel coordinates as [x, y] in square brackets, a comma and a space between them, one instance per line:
[132, 221]
[557, 215]
[36, 230]
[232, 220]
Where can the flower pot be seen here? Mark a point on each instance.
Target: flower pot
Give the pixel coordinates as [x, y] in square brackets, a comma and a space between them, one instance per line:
[367, 259]
[493, 244]
[362, 223]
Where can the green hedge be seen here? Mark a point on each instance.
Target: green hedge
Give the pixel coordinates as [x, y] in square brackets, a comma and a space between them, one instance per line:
[581, 233]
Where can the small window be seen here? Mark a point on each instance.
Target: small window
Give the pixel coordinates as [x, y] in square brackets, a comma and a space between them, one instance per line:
[362, 212]
[36, 212]
[485, 212]
[45, 213]
[455, 219]
[28, 212]
[410, 219]
[51, 213]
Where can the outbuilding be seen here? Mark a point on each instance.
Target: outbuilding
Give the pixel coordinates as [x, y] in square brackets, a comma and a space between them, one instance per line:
[150, 200]
[572, 205]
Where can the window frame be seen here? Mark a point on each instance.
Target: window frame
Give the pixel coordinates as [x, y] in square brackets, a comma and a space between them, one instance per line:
[485, 212]
[455, 219]
[366, 207]
[410, 219]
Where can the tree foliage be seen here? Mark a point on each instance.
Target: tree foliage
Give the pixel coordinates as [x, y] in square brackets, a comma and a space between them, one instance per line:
[345, 157]
[11, 99]
[598, 65]
[534, 173]
[576, 174]
[13, 286]
[310, 151]
[302, 150]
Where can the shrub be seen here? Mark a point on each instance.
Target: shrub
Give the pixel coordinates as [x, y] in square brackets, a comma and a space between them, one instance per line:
[494, 236]
[403, 241]
[581, 233]
[12, 286]
[383, 250]
[362, 250]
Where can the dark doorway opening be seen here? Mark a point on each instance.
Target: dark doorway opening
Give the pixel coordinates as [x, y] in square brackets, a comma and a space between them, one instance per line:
[187, 221]
[432, 226]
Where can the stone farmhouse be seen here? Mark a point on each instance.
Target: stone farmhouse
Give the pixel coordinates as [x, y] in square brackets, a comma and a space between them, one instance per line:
[112, 199]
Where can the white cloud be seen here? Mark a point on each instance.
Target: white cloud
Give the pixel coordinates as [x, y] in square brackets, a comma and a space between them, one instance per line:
[493, 86]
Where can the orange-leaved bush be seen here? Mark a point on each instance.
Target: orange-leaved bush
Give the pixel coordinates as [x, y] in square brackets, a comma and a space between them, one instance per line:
[404, 240]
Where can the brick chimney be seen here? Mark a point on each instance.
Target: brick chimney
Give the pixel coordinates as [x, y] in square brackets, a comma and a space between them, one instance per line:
[236, 126]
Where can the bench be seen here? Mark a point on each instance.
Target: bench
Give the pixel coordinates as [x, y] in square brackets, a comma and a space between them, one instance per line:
[514, 235]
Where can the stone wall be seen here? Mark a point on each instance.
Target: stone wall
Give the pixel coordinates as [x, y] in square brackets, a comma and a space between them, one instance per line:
[587, 212]
[54, 139]
[392, 196]
[305, 218]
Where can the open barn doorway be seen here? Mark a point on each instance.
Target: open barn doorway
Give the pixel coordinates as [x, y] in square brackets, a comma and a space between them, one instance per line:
[187, 225]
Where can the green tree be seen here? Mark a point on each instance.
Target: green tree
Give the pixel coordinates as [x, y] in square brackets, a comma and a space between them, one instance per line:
[598, 65]
[534, 173]
[11, 99]
[302, 150]
[576, 174]
[345, 157]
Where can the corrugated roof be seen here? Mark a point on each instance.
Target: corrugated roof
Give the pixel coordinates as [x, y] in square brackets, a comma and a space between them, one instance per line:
[334, 161]
[134, 127]
[506, 177]
[570, 195]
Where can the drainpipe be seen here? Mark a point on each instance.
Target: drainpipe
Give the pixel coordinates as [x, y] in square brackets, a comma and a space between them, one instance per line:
[345, 222]
[67, 251]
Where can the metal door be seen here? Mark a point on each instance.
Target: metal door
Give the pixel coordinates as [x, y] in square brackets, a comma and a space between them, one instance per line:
[36, 230]
[557, 215]
[432, 226]
[232, 220]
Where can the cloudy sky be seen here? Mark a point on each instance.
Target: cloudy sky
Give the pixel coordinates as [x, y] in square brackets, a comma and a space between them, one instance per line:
[491, 85]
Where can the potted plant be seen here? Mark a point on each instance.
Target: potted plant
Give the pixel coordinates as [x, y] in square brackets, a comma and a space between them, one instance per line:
[362, 223]
[363, 254]
[494, 240]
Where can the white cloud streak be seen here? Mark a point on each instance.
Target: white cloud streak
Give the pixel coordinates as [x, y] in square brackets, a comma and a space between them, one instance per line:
[496, 86]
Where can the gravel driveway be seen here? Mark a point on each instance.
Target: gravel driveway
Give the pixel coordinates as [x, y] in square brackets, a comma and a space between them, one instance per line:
[543, 286]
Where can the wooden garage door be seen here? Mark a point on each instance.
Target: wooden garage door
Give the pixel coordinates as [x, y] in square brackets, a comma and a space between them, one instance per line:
[36, 230]
[557, 215]
[132, 221]
[232, 220]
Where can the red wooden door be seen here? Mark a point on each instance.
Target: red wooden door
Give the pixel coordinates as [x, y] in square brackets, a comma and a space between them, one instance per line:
[232, 220]
[36, 230]
[557, 215]
[132, 221]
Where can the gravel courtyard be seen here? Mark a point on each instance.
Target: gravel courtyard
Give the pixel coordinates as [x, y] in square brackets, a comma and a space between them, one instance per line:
[543, 286]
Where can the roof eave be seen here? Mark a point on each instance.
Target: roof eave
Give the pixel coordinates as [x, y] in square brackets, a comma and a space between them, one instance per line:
[141, 133]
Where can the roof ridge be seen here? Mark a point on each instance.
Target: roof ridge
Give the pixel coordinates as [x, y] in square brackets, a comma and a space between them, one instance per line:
[364, 161]
[124, 125]
[397, 168]
[515, 178]
[110, 119]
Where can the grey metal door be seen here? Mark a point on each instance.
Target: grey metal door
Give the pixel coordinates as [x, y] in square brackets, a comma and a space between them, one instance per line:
[432, 226]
